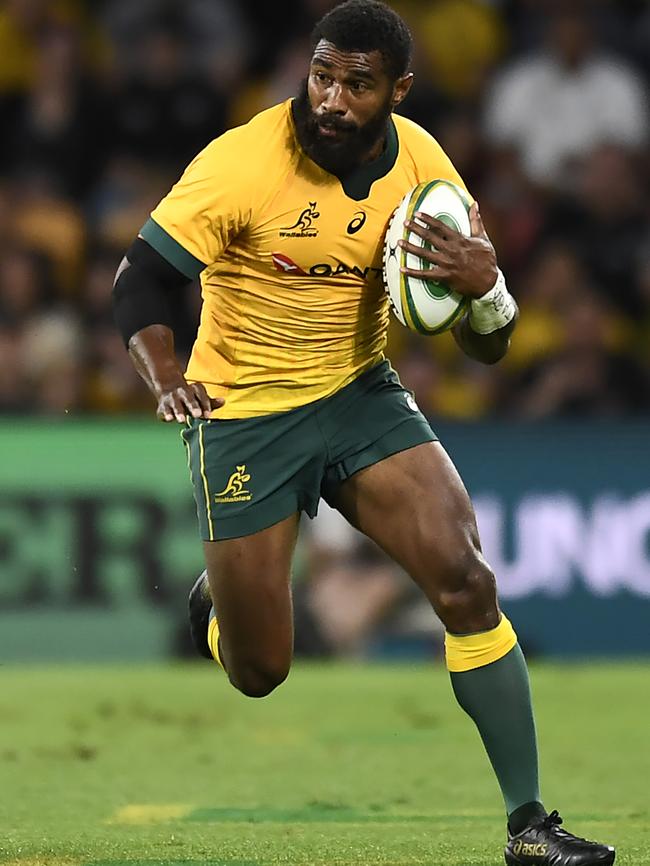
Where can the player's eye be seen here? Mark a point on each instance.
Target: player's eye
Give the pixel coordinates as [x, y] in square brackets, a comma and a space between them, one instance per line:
[359, 86]
[323, 77]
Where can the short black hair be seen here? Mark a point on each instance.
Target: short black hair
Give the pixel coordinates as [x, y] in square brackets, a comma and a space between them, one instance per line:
[368, 25]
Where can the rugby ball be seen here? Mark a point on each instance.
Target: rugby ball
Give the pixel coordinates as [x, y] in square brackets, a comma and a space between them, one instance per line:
[425, 306]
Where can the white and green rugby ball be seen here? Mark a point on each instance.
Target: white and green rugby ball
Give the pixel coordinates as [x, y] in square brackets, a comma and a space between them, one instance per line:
[425, 306]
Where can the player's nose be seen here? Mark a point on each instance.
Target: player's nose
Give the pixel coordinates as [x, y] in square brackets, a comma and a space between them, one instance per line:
[334, 101]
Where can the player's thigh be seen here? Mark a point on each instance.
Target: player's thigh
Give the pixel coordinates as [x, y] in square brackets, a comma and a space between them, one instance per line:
[250, 584]
[415, 506]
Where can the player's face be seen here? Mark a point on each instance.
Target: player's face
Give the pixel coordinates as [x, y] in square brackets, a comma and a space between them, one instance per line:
[343, 109]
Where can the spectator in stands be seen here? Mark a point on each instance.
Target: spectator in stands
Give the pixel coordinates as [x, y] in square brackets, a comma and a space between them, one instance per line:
[14, 391]
[25, 286]
[559, 104]
[51, 225]
[589, 377]
[512, 208]
[24, 25]
[442, 27]
[60, 129]
[164, 113]
[603, 220]
[110, 387]
[21, 25]
[553, 278]
[213, 33]
[53, 359]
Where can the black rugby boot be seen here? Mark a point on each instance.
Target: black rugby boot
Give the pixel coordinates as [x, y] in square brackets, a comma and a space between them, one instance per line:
[543, 843]
[200, 604]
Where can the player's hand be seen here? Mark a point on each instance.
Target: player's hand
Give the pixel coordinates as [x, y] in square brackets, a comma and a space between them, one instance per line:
[186, 400]
[466, 264]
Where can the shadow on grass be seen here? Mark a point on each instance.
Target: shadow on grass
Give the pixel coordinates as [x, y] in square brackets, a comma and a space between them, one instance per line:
[317, 813]
[173, 863]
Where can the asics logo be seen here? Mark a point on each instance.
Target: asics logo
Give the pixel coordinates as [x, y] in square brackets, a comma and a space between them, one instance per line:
[530, 849]
[357, 222]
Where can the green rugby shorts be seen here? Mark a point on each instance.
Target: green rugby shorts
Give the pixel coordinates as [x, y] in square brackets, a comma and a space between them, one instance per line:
[250, 473]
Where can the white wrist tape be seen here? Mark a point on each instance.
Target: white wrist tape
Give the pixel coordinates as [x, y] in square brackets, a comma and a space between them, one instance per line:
[494, 310]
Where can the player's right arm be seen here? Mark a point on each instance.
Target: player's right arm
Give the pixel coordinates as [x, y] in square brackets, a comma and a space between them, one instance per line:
[188, 231]
[143, 283]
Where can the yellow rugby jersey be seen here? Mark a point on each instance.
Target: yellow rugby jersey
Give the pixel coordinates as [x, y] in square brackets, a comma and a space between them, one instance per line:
[290, 259]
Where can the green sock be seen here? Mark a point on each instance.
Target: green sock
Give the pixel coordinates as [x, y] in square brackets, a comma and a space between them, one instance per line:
[497, 697]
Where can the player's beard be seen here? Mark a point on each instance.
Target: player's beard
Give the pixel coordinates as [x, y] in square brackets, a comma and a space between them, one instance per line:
[343, 156]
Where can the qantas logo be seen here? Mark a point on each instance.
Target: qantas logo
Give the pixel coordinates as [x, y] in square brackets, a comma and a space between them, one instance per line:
[287, 266]
[326, 270]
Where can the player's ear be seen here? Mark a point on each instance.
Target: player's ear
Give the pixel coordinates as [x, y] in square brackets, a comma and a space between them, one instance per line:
[401, 88]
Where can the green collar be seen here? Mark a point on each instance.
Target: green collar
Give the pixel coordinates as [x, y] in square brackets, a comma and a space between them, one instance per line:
[357, 184]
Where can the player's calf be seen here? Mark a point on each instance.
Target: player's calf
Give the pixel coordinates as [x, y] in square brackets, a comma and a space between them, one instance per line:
[253, 674]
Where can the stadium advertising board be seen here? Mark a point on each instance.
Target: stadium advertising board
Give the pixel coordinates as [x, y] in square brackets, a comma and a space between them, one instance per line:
[98, 541]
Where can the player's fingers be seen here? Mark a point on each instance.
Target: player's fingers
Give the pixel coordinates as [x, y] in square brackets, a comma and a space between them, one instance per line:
[164, 413]
[179, 409]
[476, 223]
[434, 273]
[170, 409]
[442, 258]
[208, 404]
[189, 400]
[435, 225]
[433, 256]
[431, 236]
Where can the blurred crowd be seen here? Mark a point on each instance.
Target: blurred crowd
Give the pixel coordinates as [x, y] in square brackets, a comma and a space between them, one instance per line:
[542, 106]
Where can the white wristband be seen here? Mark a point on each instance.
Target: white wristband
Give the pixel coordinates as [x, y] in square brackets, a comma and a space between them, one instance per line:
[494, 310]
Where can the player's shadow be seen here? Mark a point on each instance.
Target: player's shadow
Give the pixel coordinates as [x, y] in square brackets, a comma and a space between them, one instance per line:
[316, 813]
[158, 862]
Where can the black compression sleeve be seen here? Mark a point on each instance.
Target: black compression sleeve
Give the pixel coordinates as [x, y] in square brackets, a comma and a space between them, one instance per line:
[143, 284]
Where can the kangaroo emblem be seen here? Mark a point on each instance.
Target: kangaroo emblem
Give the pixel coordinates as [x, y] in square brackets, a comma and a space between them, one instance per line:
[306, 218]
[236, 482]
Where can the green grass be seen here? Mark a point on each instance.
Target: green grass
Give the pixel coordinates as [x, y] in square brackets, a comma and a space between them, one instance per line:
[342, 765]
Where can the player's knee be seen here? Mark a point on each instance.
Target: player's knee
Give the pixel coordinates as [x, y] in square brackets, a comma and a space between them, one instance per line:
[257, 680]
[467, 599]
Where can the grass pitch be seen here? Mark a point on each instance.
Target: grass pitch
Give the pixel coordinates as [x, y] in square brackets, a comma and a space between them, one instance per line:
[342, 766]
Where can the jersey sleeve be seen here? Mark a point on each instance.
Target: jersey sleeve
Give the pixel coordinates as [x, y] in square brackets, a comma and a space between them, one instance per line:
[204, 210]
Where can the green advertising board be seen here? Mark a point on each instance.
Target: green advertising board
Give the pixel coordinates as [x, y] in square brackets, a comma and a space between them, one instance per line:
[98, 536]
[98, 539]
[564, 515]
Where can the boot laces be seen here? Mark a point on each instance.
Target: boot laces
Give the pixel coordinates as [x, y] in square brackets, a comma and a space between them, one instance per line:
[552, 822]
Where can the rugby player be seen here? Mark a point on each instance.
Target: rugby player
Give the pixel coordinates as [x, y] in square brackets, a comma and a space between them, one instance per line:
[288, 396]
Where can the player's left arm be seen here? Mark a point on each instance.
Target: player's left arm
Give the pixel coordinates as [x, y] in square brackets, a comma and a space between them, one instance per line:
[469, 266]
